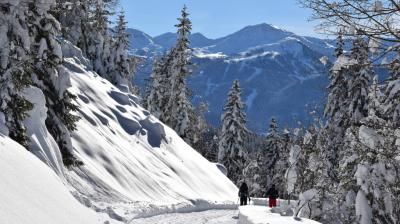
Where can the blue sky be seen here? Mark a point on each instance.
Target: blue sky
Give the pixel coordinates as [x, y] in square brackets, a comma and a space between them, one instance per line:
[216, 18]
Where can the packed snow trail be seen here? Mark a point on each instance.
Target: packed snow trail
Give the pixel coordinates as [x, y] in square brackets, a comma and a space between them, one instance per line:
[205, 217]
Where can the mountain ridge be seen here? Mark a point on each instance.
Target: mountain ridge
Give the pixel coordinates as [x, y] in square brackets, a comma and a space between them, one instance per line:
[270, 63]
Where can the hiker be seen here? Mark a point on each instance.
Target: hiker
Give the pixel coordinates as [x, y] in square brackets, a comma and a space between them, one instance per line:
[272, 194]
[243, 194]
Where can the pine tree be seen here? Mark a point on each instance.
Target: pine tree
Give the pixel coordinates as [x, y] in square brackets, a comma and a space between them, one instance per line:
[98, 38]
[73, 16]
[158, 93]
[124, 64]
[179, 108]
[327, 202]
[330, 139]
[335, 108]
[391, 113]
[253, 174]
[293, 172]
[359, 81]
[202, 135]
[376, 171]
[272, 155]
[391, 98]
[50, 76]
[207, 146]
[307, 160]
[337, 88]
[14, 69]
[233, 134]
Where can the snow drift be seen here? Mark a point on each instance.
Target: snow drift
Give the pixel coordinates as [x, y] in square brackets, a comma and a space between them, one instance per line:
[32, 193]
[135, 166]
[260, 214]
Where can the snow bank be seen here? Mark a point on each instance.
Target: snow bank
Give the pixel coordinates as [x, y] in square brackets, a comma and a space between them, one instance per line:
[32, 193]
[261, 215]
[134, 165]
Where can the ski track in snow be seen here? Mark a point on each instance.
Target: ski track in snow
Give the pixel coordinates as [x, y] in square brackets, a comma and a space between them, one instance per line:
[205, 217]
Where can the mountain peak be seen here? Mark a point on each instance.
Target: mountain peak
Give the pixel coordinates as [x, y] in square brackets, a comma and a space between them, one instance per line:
[250, 37]
[264, 28]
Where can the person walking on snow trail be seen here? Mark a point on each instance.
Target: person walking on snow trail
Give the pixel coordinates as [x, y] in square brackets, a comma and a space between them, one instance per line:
[243, 194]
[272, 194]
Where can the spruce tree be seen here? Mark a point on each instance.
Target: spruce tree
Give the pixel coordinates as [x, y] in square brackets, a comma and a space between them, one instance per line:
[272, 158]
[359, 81]
[15, 67]
[350, 156]
[98, 38]
[253, 173]
[179, 108]
[391, 98]
[391, 112]
[73, 16]
[123, 63]
[335, 108]
[52, 78]
[232, 152]
[158, 92]
[307, 160]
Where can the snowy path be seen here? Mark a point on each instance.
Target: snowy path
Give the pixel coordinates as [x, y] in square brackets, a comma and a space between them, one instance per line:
[206, 217]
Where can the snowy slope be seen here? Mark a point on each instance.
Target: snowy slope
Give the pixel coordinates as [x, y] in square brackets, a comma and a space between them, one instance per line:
[30, 192]
[135, 165]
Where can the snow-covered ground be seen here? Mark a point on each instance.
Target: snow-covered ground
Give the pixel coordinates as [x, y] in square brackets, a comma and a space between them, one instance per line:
[134, 166]
[205, 217]
[253, 214]
[31, 192]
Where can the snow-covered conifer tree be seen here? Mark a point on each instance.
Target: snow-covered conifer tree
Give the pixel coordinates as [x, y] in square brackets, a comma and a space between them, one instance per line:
[337, 89]
[50, 76]
[159, 86]
[359, 81]
[179, 108]
[307, 160]
[123, 63]
[14, 68]
[98, 39]
[253, 174]
[335, 108]
[231, 150]
[272, 158]
[391, 98]
[73, 16]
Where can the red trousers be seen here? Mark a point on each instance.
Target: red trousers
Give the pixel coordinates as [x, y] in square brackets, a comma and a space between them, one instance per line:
[272, 202]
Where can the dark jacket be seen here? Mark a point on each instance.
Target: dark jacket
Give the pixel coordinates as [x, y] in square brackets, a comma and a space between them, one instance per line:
[272, 193]
[243, 190]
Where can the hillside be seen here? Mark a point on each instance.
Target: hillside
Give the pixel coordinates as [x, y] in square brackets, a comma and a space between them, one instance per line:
[134, 165]
[33, 193]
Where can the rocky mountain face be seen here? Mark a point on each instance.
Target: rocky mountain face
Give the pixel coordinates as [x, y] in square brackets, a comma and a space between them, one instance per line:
[280, 72]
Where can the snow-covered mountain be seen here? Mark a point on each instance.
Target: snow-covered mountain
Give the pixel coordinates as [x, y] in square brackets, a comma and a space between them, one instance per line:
[133, 164]
[280, 72]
